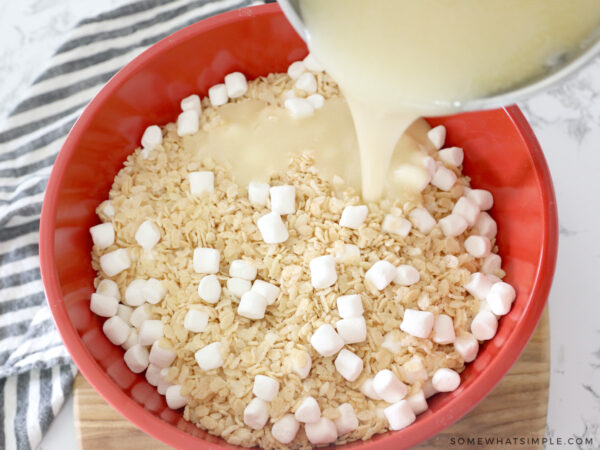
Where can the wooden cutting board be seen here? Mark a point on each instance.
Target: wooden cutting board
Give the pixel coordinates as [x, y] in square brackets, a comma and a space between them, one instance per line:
[517, 407]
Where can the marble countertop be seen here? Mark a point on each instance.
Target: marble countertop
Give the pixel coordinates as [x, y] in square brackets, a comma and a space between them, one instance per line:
[566, 120]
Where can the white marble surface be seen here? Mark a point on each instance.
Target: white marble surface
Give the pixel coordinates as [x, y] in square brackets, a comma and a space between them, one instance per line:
[567, 123]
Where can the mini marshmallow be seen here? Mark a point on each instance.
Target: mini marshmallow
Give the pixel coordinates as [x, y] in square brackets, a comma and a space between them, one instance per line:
[187, 123]
[147, 234]
[484, 326]
[418, 403]
[399, 415]
[301, 363]
[348, 364]
[414, 370]
[136, 358]
[322, 272]
[283, 199]
[396, 225]
[479, 286]
[134, 294]
[152, 137]
[347, 420]
[201, 182]
[482, 198]
[236, 84]
[103, 305]
[381, 274]
[501, 297]
[492, 263]
[406, 275]
[195, 321]
[238, 286]
[308, 411]
[153, 374]
[258, 193]
[467, 347]
[217, 94]
[316, 100]
[209, 357]
[347, 254]
[191, 103]
[272, 228]
[443, 178]
[437, 136]
[174, 398]
[116, 330]
[353, 216]
[124, 312]
[209, 289]
[161, 357]
[299, 108]
[326, 341]
[150, 331]
[468, 209]
[139, 315]
[163, 384]
[296, 69]
[389, 387]
[486, 226]
[206, 260]
[453, 225]
[311, 63]
[445, 380]
[241, 269]
[109, 288]
[269, 291]
[478, 246]
[256, 414]
[422, 220]
[350, 306]
[368, 390]
[115, 262]
[414, 176]
[323, 431]
[417, 323]
[392, 343]
[443, 330]
[103, 235]
[352, 330]
[453, 156]
[285, 429]
[252, 305]
[428, 389]
[108, 208]
[493, 278]
[431, 165]
[307, 83]
[154, 291]
[265, 388]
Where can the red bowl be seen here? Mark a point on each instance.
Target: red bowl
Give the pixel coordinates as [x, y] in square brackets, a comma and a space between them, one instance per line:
[501, 155]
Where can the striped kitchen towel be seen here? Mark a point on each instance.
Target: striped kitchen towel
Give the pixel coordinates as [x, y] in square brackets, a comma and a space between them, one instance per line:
[36, 372]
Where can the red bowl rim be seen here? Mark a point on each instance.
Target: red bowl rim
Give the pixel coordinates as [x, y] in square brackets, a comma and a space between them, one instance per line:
[149, 423]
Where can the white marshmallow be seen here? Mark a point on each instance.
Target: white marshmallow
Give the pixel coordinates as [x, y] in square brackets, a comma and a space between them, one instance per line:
[136, 358]
[326, 341]
[103, 305]
[468, 209]
[134, 294]
[115, 262]
[486, 226]
[453, 225]
[399, 415]
[413, 176]
[353, 216]
[428, 389]
[482, 198]
[209, 289]
[316, 100]
[479, 286]
[437, 136]
[478, 246]
[139, 315]
[103, 235]
[418, 403]
[299, 108]
[443, 178]
[269, 291]
[308, 411]
[414, 370]
[153, 374]
[501, 297]
[391, 343]
[406, 275]
[256, 414]
[150, 331]
[285, 429]
[209, 357]
[422, 220]
[147, 234]
[352, 330]
[322, 432]
[492, 263]
[154, 291]
[206, 260]
[348, 364]
[443, 330]
[124, 312]
[241, 269]
[283, 199]
[431, 165]
[252, 305]
[396, 225]
[452, 156]
[347, 254]
[238, 286]
[389, 387]
[161, 357]
[322, 272]
[236, 84]
[108, 208]
[350, 306]
[368, 390]
[152, 137]
[217, 94]
[258, 193]
[467, 347]
[191, 103]
[381, 274]
[174, 398]
[163, 384]
[272, 228]
[116, 330]
[187, 123]
[484, 326]
[296, 69]
[311, 63]
[307, 83]
[445, 380]
[265, 388]
[195, 321]
[109, 288]
[201, 182]
[493, 278]
[417, 323]
[347, 421]
[301, 364]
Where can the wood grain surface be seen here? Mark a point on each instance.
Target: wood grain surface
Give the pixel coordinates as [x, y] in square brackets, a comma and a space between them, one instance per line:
[516, 407]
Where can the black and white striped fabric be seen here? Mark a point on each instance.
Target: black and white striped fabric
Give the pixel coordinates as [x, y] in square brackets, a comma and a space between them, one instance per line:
[36, 372]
